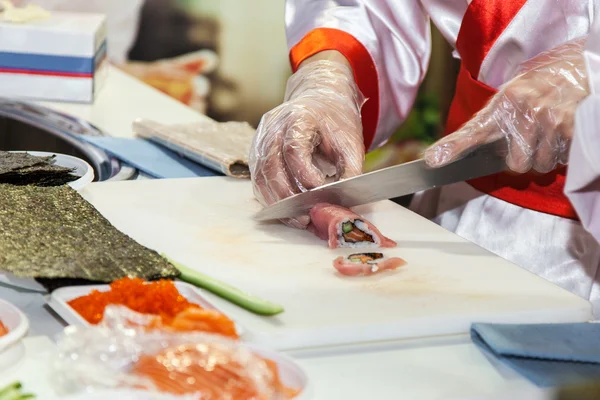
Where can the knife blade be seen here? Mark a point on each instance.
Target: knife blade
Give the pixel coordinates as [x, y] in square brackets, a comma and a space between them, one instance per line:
[388, 183]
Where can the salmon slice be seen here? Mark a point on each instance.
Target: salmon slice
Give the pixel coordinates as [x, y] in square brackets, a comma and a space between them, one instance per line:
[365, 264]
[160, 299]
[212, 372]
[342, 227]
[198, 319]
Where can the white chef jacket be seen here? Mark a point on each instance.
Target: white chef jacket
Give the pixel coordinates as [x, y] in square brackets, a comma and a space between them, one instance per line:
[122, 20]
[583, 177]
[397, 37]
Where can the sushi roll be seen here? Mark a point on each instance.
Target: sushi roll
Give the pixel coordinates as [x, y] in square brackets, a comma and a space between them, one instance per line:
[364, 264]
[343, 228]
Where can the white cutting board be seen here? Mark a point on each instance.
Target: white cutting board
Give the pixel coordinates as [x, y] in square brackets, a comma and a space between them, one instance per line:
[206, 224]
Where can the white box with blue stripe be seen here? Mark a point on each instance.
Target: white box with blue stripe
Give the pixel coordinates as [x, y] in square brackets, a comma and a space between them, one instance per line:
[62, 58]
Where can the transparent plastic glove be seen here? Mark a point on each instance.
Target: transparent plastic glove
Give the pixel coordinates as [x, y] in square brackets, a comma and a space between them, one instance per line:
[534, 112]
[315, 133]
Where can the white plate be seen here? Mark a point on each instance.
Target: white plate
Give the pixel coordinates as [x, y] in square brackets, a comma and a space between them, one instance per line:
[290, 373]
[16, 322]
[83, 170]
[60, 298]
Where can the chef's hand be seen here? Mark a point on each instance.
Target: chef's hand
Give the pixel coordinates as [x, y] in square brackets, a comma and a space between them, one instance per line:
[534, 112]
[315, 133]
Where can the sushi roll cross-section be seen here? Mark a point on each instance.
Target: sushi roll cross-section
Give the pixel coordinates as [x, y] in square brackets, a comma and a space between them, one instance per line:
[364, 264]
[342, 227]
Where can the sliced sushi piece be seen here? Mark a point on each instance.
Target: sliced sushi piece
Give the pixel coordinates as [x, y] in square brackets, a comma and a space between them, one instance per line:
[344, 228]
[363, 264]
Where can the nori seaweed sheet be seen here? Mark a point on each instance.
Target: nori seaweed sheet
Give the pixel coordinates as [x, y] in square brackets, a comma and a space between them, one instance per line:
[25, 169]
[12, 161]
[53, 233]
[51, 175]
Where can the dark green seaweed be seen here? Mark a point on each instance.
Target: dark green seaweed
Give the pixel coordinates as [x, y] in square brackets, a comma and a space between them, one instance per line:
[25, 169]
[13, 161]
[53, 233]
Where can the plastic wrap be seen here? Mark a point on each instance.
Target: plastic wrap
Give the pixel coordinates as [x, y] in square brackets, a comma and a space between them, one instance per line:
[222, 146]
[534, 112]
[315, 133]
[120, 354]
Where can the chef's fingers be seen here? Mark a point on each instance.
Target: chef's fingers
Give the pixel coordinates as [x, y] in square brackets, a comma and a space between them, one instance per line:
[564, 146]
[264, 195]
[351, 160]
[546, 156]
[548, 147]
[341, 151]
[263, 147]
[555, 141]
[267, 166]
[521, 148]
[301, 138]
[480, 130]
[519, 115]
[277, 178]
[279, 185]
[565, 130]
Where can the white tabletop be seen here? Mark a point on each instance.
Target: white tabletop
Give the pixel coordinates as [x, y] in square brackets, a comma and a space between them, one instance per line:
[446, 369]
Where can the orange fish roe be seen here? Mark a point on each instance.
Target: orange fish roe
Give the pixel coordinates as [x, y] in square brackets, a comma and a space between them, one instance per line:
[160, 298]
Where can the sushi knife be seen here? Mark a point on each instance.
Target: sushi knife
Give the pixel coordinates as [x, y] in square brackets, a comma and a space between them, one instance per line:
[392, 182]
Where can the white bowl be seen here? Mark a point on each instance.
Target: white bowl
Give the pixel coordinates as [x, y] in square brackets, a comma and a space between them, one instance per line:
[83, 170]
[15, 321]
[290, 373]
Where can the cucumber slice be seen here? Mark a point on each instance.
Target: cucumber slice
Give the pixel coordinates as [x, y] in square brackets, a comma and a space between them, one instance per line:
[347, 227]
[227, 292]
